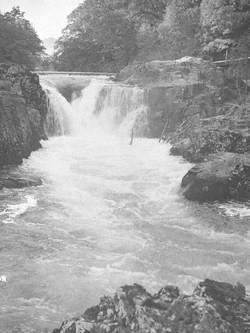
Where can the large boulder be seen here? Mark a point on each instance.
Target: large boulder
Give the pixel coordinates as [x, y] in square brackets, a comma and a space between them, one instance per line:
[225, 176]
[214, 307]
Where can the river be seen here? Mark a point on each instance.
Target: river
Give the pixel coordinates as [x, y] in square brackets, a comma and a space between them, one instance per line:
[108, 213]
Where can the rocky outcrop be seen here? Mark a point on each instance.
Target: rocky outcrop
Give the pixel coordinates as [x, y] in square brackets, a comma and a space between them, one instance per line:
[222, 144]
[204, 110]
[179, 90]
[23, 109]
[213, 307]
[196, 138]
[171, 73]
[12, 179]
[225, 176]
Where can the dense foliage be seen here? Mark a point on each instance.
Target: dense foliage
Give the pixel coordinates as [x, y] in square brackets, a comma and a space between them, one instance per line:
[106, 35]
[99, 36]
[19, 42]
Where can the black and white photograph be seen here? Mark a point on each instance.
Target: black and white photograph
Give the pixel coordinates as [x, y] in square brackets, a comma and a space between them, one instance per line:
[124, 166]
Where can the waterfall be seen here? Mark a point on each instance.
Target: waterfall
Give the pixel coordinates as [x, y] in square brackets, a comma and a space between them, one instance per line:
[59, 116]
[101, 106]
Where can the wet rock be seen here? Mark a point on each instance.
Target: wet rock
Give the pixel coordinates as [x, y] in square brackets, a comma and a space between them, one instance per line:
[16, 181]
[221, 292]
[18, 136]
[225, 176]
[214, 307]
[181, 147]
[23, 110]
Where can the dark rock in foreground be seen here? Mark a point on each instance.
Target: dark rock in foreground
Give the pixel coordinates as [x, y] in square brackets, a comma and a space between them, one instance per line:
[214, 307]
[226, 176]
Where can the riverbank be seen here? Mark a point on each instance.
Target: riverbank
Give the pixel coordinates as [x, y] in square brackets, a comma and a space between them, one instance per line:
[203, 110]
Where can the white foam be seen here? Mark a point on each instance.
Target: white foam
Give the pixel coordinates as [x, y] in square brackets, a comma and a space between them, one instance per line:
[59, 116]
[12, 211]
[211, 234]
[234, 209]
[3, 279]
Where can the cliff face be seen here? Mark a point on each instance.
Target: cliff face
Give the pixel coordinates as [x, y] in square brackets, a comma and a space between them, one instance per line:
[23, 109]
[212, 307]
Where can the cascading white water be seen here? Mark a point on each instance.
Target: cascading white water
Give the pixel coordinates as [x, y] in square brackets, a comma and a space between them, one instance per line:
[108, 214]
[59, 116]
[84, 107]
[101, 106]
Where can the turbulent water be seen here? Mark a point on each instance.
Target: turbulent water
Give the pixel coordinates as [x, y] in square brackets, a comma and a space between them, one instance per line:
[108, 213]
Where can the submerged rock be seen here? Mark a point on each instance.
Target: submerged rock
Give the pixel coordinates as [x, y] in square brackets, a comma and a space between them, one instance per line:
[214, 307]
[225, 176]
[15, 181]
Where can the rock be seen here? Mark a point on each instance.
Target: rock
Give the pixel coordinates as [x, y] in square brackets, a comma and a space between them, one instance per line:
[194, 101]
[221, 292]
[182, 148]
[14, 177]
[15, 181]
[180, 72]
[214, 307]
[23, 110]
[196, 138]
[18, 137]
[225, 176]
[179, 90]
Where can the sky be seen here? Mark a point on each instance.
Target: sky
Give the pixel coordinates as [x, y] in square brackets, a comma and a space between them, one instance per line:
[48, 17]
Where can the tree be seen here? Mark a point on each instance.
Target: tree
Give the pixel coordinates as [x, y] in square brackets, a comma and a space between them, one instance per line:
[99, 35]
[109, 34]
[19, 43]
[225, 27]
[148, 11]
[180, 30]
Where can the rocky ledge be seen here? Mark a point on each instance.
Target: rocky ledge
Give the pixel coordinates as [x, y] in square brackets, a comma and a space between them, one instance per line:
[23, 109]
[198, 137]
[213, 307]
[220, 147]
